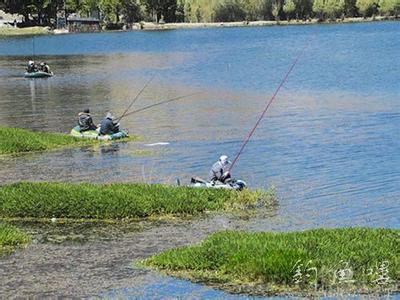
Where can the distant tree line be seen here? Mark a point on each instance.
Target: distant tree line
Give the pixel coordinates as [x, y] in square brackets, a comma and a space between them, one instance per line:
[44, 12]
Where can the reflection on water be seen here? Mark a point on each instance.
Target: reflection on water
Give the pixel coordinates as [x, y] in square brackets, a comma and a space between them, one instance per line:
[330, 142]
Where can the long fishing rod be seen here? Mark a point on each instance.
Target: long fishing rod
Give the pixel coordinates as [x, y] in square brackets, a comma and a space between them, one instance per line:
[250, 134]
[160, 103]
[134, 99]
[33, 47]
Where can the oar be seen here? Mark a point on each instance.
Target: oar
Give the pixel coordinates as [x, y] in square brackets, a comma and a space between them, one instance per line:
[160, 103]
[134, 100]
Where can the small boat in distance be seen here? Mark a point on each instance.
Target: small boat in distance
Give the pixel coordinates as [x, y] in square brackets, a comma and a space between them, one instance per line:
[38, 74]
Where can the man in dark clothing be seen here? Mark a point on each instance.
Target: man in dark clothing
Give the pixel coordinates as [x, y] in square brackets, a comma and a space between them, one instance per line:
[44, 67]
[108, 126]
[85, 121]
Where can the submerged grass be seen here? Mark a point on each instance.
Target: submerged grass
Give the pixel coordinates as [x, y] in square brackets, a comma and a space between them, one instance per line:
[17, 140]
[118, 201]
[11, 238]
[361, 259]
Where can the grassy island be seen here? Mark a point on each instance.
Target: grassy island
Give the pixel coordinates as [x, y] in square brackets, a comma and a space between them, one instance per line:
[117, 201]
[309, 262]
[11, 238]
[17, 140]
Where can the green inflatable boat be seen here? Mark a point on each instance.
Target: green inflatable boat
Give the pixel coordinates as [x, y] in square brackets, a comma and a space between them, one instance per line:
[94, 134]
[38, 74]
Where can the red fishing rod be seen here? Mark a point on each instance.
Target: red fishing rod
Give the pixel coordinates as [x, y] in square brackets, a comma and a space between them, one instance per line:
[250, 134]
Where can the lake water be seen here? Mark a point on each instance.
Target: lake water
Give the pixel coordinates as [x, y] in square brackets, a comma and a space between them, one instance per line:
[330, 142]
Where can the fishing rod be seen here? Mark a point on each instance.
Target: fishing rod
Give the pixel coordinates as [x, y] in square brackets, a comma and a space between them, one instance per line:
[250, 134]
[160, 103]
[33, 47]
[134, 99]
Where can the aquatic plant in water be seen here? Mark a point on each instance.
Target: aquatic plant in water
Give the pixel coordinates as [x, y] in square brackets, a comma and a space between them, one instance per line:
[352, 259]
[11, 238]
[117, 201]
[17, 140]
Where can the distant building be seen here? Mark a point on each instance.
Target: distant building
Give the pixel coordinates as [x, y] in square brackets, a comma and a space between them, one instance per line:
[78, 24]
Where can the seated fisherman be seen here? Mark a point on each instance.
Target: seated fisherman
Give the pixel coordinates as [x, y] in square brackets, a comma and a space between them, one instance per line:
[44, 67]
[31, 67]
[108, 126]
[220, 170]
[85, 121]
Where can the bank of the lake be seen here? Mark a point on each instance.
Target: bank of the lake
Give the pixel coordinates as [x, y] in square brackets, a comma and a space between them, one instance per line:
[166, 26]
[37, 30]
[319, 261]
[11, 238]
[120, 201]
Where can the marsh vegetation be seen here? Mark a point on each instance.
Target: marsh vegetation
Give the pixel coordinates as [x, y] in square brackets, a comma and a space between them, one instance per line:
[11, 238]
[17, 140]
[352, 259]
[119, 201]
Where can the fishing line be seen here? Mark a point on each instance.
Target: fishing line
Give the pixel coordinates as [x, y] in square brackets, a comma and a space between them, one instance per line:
[250, 134]
[160, 103]
[134, 99]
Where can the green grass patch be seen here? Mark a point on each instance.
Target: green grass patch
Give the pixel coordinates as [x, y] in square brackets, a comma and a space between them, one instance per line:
[37, 30]
[358, 259]
[11, 238]
[118, 201]
[17, 140]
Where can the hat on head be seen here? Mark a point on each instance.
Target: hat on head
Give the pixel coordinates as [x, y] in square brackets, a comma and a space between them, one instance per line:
[224, 159]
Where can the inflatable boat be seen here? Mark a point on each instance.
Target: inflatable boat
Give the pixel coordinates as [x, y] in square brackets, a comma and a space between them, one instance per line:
[94, 134]
[38, 74]
[231, 184]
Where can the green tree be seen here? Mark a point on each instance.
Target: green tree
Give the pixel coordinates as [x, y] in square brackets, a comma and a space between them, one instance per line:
[319, 9]
[188, 11]
[366, 7]
[159, 9]
[254, 9]
[73, 6]
[389, 7]
[289, 7]
[303, 9]
[111, 10]
[276, 9]
[23, 7]
[180, 11]
[350, 9]
[89, 7]
[131, 11]
[333, 8]
[230, 11]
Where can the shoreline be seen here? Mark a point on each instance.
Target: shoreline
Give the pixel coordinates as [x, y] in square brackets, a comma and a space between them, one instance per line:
[150, 26]
[168, 26]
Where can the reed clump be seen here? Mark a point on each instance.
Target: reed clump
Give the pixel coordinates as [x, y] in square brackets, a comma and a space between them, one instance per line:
[11, 238]
[17, 140]
[113, 201]
[362, 259]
